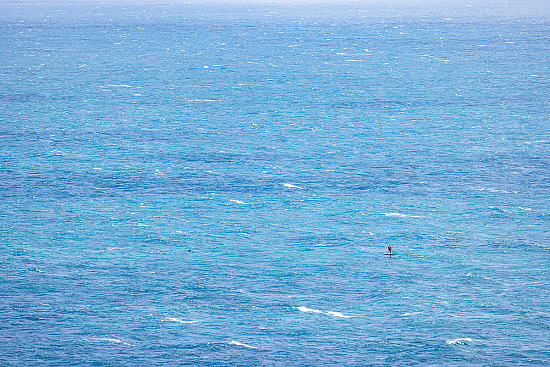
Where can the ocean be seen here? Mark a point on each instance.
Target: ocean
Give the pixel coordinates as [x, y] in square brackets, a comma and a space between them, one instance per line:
[192, 184]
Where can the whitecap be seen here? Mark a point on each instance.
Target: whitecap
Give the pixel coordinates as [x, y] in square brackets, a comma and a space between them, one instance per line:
[337, 314]
[291, 186]
[238, 202]
[400, 215]
[460, 341]
[406, 314]
[181, 321]
[328, 313]
[234, 342]
[305, 309]
[119, 85]
[110, 340]
[497, 190]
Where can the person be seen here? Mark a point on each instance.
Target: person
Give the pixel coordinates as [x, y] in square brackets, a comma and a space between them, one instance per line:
[389, 249]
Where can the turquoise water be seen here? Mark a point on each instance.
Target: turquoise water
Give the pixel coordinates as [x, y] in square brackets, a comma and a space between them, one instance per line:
[217, 185]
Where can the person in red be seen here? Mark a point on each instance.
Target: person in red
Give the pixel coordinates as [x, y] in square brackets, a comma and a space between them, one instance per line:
[389, 249]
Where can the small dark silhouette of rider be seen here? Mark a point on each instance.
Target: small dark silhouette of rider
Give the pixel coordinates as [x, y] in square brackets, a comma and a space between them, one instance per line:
[389, 249]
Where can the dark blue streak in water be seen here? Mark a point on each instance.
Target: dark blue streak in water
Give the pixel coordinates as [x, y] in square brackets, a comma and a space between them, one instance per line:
[198, 185]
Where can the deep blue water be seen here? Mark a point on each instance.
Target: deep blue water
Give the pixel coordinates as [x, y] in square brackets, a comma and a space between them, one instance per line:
[217, 185]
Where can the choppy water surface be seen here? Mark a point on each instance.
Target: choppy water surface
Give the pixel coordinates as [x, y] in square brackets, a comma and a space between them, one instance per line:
[217, 185]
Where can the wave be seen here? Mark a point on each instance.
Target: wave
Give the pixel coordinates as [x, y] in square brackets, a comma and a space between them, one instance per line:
[337, 314]
[238, 202]
[498, 191]
[175, 319]
[328, 313]
[291, 186]
[460, 341]
[234, 342]
[110, 340]
[411, 313]
[400, 215]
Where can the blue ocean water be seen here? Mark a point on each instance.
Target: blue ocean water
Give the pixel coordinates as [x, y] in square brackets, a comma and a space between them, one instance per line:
[215, 185]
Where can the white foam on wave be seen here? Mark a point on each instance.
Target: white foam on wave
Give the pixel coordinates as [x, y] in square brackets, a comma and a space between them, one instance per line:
[460, 341]
[411, 313]
[238, 202]
[181, 321]
[497, 190]
[328, 313]
[305, 309]
[337, 314]
[234, 342]
[291, 186]
[119, 86]
[110, 340]
[401, 215]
